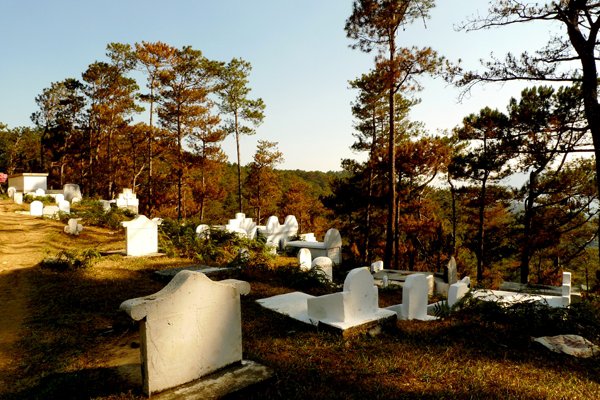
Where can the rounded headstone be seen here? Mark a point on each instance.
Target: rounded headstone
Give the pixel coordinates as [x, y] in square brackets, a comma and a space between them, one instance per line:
[58, 198]
[18, 197]
[304, 259]
[36, 208]
[64, 206]
[11, 192]
[40, 192]
[325, 264]
[71, 190]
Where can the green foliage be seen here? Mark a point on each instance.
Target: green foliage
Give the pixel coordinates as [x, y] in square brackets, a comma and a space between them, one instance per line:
[530, 318]
[71, 260]
[92, 213]
[218, 247]
[47, 200]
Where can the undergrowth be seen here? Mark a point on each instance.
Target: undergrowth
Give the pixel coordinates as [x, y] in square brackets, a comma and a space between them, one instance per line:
[71, 260]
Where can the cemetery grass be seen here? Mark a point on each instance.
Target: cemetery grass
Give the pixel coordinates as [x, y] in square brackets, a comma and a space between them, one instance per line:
[69, 340]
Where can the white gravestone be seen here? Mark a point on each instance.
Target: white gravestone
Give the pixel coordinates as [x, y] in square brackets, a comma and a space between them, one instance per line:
[190, 328]
[64, 206]
[18, 198]
[58, 198]
[40, 192]
[414, 299]
[203, 231]
[304, 259]
[141, 235]
[377, 266]
[358, 303]
[36, 208]
[73, 227]
[325, 265]
[245, 227]
[11, 192]
[457, 291]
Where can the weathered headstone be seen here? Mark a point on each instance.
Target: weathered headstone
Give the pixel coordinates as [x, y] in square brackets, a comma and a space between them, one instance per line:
[325, 265]
[414, 298]
[71, 191]
[190, 328]
[105, 205]
[18, 197]
[36, 208]
[304, 259]
[141, 236]
[452, 271]
[11, 192]
[58, 198]
[64, 206]
[40, 192]
[203, 231]
[457, 291]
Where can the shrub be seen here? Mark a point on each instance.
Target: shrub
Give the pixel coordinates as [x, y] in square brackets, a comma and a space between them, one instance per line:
[71, 260]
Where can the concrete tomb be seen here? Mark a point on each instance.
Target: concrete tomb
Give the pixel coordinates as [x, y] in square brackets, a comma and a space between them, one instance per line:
[275, 233]
[330, 247]
[36, 208]
[508, 298]
[414, 299]
[355, 306]
[325, 265]
[28, 182]
[245, 227]
[141, 235]
[189, 329]
[304, 259]
[73, 227]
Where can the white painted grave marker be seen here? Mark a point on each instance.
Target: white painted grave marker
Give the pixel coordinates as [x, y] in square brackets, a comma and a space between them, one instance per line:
[141, 236]
[304, 259]
[190, 328]
[36, 208]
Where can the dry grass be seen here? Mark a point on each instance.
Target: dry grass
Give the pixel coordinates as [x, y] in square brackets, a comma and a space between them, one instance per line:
[76, 337]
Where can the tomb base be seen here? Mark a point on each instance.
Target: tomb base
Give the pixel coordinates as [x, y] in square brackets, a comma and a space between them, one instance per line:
[216, 385]
[371, 328]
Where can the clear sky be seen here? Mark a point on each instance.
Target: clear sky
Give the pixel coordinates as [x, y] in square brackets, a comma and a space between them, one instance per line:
[298, 49]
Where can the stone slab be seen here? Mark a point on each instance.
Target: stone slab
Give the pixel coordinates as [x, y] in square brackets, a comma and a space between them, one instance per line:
[291, 304]
[220, 383]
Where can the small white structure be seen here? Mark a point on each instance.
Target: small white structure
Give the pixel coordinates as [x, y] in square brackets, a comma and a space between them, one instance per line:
[414, 299]
[71, 191]
[36, 208]
[304, 259]
[330, 247]
[377, 266]
[28, 182]
[245, 227]
[325, 265]
[356, 305]
[202, 231]
[141, 235]
[50, 211]
[275, 233]
[11, 191]
[128, 200]
[73, 227]
[508, 298]
[105, 205]
[458, 290]
[18, 197]
[190, 328]
[40, 192]
[58, 198]
[64, 206]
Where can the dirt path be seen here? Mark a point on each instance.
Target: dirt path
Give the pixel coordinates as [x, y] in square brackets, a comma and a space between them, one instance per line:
[24, 242]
